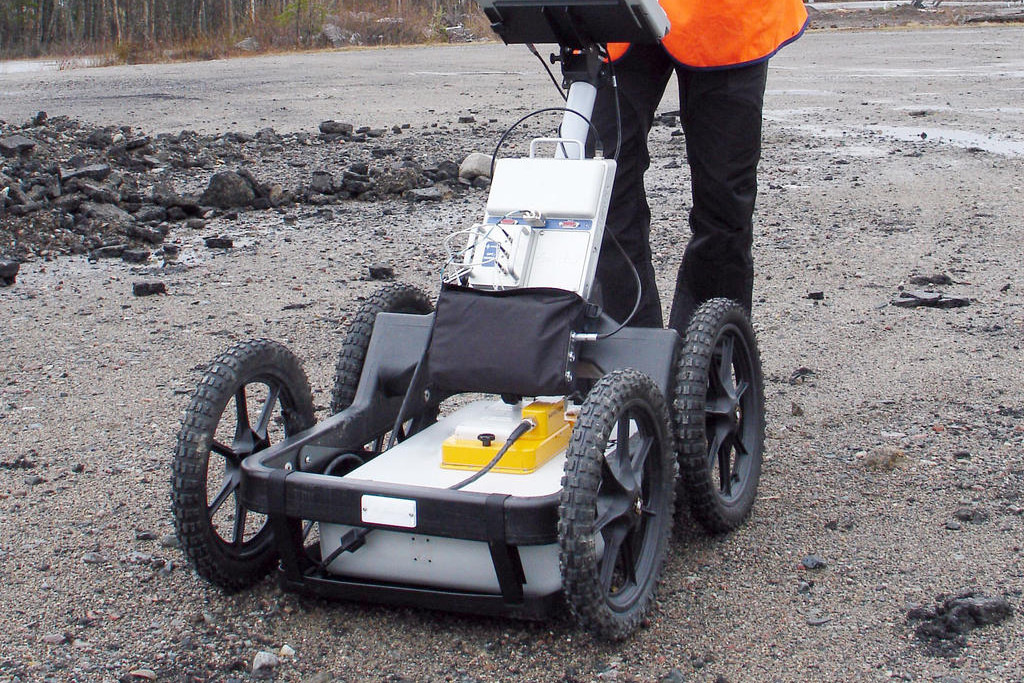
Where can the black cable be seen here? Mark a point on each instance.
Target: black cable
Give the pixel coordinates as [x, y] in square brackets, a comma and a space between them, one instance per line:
[508, 131]
[413, 383]
[352, 541]
[618, 112]
[341, 459]
[639, 289]
[558, 86]
[524, 426]
[355, 538]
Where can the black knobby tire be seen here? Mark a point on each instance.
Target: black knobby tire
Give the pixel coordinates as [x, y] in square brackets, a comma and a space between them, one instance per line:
[393, 298]
[719, 416]
[218, 432]
[615, 513]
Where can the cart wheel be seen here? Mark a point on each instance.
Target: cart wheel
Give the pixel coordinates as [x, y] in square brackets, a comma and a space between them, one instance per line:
[719, 415]
[393, 298]
[615, 514]
[252, 395]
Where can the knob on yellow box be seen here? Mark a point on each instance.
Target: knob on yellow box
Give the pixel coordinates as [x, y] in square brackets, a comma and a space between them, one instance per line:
[473, 446]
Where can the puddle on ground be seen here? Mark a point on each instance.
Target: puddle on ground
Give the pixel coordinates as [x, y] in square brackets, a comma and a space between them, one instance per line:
[959, 138]
[861, 151]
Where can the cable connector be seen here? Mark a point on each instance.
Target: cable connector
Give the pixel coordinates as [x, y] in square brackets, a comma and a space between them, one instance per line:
[526, 425]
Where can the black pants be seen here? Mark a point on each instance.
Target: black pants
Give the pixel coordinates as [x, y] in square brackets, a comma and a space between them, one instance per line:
[721, 118]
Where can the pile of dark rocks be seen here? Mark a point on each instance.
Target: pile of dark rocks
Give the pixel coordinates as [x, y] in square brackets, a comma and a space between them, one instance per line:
[113, 191]
[944, 626]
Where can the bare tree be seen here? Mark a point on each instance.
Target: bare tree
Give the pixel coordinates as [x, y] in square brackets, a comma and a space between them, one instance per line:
[31, 27]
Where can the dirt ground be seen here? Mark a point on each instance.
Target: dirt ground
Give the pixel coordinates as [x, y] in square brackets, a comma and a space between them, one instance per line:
[895, 435]
[839, 15]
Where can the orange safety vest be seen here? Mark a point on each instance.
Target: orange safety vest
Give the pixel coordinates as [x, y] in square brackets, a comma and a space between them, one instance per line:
[707, 34]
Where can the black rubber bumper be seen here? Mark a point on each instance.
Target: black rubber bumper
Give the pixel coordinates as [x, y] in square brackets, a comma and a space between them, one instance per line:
[439, 512]
[531, 608]
[502, 521]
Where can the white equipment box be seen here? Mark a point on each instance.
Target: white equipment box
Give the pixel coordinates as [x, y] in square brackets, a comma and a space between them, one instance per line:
[543, 225]
[408, 557]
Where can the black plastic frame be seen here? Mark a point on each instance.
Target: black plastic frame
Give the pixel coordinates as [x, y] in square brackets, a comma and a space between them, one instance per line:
[285, 481]
[573, 24]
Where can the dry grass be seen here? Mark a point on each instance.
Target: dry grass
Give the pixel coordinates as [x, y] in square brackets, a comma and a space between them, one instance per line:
[362, 23]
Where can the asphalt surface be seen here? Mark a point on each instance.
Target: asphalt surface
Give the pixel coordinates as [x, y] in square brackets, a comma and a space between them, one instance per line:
[825, 82]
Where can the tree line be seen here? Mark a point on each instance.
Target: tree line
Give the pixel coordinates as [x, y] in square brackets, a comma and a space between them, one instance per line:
[35, 27]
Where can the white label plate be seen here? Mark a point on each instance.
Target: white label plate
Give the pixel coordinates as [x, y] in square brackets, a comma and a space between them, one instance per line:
[399, 512]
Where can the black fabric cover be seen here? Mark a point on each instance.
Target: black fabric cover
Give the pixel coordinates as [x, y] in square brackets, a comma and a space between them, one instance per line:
[514, 341]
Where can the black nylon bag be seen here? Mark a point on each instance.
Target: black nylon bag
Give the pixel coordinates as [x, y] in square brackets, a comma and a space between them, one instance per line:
[514, 341]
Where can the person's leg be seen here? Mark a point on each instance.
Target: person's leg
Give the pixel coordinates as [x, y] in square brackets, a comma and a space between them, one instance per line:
[642, 75]
[721, 117]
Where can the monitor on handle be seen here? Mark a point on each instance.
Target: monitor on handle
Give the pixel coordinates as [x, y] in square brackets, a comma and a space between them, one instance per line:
[577, 24]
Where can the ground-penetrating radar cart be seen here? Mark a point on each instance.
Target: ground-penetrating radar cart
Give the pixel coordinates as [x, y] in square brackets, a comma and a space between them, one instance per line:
[559, 489]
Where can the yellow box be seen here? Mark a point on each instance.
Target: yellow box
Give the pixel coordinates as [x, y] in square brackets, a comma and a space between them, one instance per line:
[526, 455]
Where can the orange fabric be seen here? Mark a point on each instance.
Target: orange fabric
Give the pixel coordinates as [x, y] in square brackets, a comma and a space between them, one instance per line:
[715, 33]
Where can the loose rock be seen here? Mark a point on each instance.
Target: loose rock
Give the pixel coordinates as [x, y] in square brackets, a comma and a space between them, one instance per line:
[151, 214]
[146, 234]
[336, 128]
[801, 375]
[148, 288]
[16, 145]
[936, 279]
[813, 562]
[381, 272]
[226, 190]
[884, 459]
[323, 182]
[135, 255]
[108, 251]
[972, 515]
[429, 194]
[98, 172]
[264, 663]
[107, 213]
[8, 272]
[475, 165]
[945, 624]
[918, 297]
[219, 242]
[170, 541]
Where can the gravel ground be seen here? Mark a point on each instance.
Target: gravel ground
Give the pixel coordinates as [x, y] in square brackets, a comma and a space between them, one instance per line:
[894, 442]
